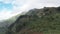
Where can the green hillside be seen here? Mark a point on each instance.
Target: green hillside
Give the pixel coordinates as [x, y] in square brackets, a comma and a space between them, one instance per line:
[6, 23]
[37, 21]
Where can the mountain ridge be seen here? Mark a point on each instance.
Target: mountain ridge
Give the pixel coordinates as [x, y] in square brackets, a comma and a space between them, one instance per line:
[37, 20]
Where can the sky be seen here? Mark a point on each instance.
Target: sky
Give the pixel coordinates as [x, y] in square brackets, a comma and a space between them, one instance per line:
[9, 8]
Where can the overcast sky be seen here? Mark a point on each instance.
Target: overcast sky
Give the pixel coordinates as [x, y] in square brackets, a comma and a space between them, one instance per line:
[9, 8]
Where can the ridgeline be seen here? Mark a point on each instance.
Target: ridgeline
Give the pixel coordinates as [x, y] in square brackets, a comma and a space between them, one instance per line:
[37, 21]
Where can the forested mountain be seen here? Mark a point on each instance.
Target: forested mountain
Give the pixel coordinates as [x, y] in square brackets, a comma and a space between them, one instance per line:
[37, 21]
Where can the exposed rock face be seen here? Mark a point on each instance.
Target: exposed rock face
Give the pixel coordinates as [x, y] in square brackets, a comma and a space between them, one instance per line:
[45, 15]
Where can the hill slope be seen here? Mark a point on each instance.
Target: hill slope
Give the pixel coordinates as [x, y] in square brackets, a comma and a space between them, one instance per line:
[38, 21]
[4, 24]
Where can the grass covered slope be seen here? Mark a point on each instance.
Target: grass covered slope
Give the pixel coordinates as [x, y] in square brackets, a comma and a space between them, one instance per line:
[37, 21]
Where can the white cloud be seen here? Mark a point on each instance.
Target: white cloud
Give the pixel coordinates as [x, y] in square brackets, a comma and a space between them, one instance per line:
[4, 14]
[25, 5]
[29, 4]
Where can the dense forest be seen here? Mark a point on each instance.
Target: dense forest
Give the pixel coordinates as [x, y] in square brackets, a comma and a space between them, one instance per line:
[37, 21]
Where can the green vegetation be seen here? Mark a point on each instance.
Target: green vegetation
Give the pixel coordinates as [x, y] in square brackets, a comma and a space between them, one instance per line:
[45, 20]
[5, 23]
